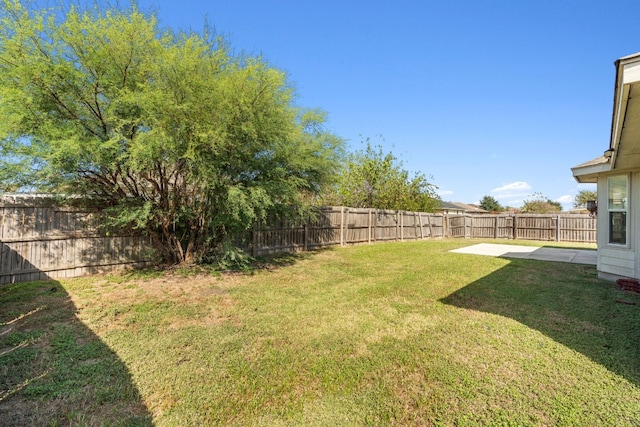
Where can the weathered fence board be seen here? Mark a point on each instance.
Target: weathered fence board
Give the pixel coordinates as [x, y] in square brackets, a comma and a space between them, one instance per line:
[577, 228]
[48, 242]
[551, 227]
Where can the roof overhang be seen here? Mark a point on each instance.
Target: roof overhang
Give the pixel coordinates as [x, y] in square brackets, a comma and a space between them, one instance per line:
[625, 125]
[588, 172]
[624, 145]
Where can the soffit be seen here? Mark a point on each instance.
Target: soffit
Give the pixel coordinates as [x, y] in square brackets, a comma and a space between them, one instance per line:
[627, 145]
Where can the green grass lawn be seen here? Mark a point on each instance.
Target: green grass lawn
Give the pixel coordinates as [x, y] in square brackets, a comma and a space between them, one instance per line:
[386, 334]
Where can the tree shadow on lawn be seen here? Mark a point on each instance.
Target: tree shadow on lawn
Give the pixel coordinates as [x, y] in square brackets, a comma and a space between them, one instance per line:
[54, 370]
[567, 303]
[284, 259]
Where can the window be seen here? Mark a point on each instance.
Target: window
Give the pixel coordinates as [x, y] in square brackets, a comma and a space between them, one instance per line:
[617, 207]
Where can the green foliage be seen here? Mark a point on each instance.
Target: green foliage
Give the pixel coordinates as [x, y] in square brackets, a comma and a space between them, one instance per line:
[231, 258]
[538, 203]
[373, 179]
[169, 131]
[580, 200]
[489, 203]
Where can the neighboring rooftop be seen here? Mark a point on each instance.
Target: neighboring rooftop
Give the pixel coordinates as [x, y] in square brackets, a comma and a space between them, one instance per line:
[457, 207]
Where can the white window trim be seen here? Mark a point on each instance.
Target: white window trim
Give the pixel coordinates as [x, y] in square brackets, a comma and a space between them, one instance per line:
[625, 210]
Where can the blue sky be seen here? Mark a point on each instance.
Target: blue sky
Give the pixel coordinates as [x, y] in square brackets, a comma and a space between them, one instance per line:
[496, 98]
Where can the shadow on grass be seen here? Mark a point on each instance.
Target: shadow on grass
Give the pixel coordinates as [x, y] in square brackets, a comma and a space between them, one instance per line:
[56, 371]
[284, 259]
[567, 303]
[575, 246]
[269, 262]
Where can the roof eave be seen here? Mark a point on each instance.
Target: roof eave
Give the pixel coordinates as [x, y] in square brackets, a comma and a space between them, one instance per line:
[587, 173]
[627, 75]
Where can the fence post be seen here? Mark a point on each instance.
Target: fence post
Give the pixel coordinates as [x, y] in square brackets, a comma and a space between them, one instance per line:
[397, 225]
[254, 239]
[495, 230]
[445, 227]
[341, 225]
[306, 234]
[374, 232]
[421, 229]
[515, 227]
[401, 213]
[369, 230]
[557, 228]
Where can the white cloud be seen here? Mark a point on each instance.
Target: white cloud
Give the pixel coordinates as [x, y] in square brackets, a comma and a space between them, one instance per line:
[512, 194]
[517, 186]
[514, 190]
[444, 192]
[515, 193]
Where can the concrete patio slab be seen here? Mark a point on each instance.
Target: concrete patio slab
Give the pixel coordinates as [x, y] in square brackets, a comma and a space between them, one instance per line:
[576, 256]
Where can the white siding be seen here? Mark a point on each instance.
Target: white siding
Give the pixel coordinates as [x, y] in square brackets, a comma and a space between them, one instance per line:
[616, 261]
[631, 72]
[619, 260]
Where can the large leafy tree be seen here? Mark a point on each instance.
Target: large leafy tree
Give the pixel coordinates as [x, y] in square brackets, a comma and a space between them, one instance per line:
[169, 132]
[371, 178]
[583, 196]
[489, 203]
[539, 204]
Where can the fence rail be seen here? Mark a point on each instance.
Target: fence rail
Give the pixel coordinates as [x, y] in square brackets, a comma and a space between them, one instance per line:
[40, 242]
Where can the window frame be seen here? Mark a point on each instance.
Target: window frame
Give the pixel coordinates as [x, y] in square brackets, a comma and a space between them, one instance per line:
[617, 206]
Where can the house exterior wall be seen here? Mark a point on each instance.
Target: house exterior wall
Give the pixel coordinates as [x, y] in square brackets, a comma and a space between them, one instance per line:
[616, 260]
[448, 211]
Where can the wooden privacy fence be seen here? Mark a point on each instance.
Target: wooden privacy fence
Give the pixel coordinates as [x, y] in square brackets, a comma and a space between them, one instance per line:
[551, 227]
[343, 225]
[48, 242]
[40, 241]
